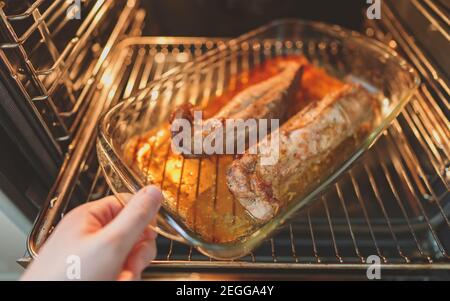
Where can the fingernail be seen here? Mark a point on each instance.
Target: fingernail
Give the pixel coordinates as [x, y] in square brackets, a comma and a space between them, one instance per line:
[154, 194]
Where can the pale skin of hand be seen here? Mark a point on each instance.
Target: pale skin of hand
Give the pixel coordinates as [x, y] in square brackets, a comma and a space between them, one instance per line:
[113, 242]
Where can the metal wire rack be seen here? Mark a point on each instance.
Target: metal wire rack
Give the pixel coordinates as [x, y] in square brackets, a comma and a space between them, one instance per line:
[53, 58]
[394, 203]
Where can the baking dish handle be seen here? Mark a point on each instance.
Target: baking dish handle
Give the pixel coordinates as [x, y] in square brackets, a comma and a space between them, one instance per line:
[122, 188]
[166, 230]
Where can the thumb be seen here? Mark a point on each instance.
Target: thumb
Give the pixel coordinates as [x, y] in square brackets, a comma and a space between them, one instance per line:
[126, 228]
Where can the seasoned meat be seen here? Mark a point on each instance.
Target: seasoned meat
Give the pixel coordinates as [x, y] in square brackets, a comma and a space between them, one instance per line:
[305, 140]
[267, 100]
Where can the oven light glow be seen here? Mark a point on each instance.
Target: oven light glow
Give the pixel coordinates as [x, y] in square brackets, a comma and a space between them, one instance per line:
[154, 95]
[142, 152]
[173, 168]
[107, 79]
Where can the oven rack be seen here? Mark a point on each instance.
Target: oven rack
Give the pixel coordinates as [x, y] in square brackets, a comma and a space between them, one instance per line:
[53, 58]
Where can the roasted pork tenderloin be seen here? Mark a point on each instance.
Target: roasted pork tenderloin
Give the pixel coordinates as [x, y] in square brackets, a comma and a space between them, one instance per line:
[305, 141]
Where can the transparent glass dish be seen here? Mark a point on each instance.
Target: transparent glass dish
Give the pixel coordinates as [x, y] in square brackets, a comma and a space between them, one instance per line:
[344, 54]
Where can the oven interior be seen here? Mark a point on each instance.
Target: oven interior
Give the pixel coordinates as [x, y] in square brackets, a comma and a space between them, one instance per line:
[59, 74]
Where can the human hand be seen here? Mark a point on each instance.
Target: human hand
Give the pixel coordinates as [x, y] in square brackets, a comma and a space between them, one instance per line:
[112, 242]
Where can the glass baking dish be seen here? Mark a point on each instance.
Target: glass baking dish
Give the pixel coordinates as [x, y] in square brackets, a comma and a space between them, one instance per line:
[344, 54]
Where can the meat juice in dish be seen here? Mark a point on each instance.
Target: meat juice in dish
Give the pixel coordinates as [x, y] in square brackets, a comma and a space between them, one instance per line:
[196, 189]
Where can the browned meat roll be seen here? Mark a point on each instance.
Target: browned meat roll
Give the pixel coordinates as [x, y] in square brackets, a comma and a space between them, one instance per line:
[305, 141]
[267, 100]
